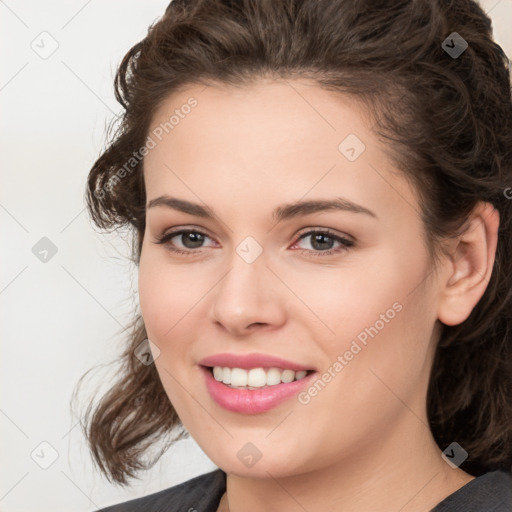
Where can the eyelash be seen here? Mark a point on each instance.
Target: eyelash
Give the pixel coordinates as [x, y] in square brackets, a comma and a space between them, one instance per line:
[345, 242]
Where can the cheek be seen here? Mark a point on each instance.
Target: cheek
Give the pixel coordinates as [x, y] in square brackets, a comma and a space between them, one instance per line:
[365, 289]
[384, 339]
[168, 296]
[166, 304]
[378, 312]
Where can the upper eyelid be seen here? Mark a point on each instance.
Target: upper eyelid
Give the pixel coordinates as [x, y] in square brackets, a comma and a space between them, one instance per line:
[329, 231]
[180, 230]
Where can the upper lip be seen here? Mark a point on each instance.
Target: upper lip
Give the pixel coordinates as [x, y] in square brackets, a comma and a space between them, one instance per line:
[248, 361]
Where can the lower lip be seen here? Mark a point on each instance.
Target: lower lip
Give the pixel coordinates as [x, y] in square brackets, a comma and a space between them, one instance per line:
[252, 401]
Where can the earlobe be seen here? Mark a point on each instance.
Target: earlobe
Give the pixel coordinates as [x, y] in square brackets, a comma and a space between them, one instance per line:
[470, 267]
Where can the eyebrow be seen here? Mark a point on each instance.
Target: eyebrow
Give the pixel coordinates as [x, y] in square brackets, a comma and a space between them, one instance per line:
[284, 212]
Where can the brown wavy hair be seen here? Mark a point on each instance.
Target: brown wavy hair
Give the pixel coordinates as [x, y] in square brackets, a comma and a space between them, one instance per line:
[448, 126]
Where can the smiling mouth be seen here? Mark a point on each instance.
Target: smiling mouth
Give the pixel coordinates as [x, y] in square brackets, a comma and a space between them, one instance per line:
[255, 378]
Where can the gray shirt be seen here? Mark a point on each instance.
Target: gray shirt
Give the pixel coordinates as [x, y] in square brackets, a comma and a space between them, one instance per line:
[491, 492]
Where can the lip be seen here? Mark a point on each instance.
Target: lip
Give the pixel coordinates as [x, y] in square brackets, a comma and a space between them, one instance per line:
[248, 361]
[255, 401]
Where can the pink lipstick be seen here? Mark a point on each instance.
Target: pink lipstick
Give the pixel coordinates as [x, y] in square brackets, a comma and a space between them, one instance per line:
[253, 400]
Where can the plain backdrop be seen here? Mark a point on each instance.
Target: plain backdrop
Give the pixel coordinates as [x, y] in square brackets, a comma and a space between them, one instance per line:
[66, 290]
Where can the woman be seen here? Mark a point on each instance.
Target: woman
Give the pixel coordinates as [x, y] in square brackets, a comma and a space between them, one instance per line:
[319, 192]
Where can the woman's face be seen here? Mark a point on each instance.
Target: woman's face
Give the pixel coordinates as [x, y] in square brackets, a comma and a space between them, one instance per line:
[346, 291]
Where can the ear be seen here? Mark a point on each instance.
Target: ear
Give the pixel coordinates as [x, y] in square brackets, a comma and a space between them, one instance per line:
[469, 269]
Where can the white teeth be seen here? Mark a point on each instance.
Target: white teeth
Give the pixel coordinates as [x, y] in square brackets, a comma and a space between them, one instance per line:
[256, 377]
[238, 377]
[273, 376]
[226, 375]
[218, 373]
[288, 376]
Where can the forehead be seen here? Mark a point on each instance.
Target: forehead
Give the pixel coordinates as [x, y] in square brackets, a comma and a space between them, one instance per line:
[278, 112]
[272, 137]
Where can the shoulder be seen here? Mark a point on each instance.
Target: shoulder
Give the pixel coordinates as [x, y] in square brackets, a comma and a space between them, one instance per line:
[199, 494]
[489, 492]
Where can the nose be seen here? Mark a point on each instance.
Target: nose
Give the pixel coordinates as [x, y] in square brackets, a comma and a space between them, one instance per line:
[247, 298]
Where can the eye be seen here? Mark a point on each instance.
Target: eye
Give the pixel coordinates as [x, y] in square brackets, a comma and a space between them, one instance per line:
[189, 238]
[323, 241]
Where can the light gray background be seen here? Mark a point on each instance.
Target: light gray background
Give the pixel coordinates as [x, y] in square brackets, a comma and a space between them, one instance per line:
[63, 316]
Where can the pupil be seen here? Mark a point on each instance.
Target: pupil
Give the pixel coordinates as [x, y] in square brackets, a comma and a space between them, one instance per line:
[319, 239]
[196, 240]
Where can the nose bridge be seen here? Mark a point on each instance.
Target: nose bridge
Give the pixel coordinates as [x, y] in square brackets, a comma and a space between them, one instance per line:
[242, 287]
[244, 295]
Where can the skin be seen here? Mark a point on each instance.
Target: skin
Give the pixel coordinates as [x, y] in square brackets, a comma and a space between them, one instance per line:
[363, 442]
